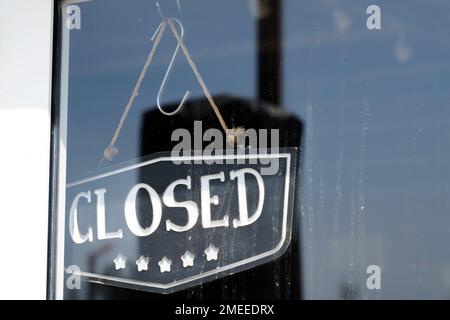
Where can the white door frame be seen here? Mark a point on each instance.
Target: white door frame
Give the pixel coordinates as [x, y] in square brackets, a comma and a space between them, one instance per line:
[26, 38]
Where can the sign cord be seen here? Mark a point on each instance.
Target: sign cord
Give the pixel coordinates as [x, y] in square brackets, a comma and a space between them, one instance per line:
[111, 151]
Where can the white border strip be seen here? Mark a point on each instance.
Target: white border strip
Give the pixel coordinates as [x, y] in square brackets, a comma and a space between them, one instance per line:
[62, 158]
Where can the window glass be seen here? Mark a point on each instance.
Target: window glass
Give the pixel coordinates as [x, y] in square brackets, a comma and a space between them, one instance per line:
[359, 95]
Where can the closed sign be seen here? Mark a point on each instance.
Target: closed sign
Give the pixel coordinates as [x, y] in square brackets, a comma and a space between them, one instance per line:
[164, 223]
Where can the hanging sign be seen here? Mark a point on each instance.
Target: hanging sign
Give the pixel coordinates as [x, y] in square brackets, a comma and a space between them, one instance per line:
[167, 223]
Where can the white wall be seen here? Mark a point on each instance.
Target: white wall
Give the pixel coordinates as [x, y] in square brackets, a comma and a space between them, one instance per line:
[25, 79]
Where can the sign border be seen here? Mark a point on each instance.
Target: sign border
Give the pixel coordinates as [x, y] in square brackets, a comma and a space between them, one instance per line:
[180, 284]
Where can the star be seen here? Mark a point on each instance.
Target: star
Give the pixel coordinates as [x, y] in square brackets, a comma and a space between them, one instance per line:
[211, 252]
[120, 262]
[164, 264]
[142, 263]
[188, 259]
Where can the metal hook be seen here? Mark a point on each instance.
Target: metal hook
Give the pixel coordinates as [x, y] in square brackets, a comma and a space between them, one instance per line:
[168, 71]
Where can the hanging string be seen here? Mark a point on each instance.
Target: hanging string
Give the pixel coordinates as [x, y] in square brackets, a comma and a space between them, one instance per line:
[111, 151]
[198, 75]
[192, 63]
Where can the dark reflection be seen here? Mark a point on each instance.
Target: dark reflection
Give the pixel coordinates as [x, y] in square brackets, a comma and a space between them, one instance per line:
[276, 280]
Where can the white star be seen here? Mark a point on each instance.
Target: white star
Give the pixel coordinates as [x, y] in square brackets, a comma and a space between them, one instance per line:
[142, 263]
[164, 264]
[188, 259]
[211, 252]
[120, 262]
